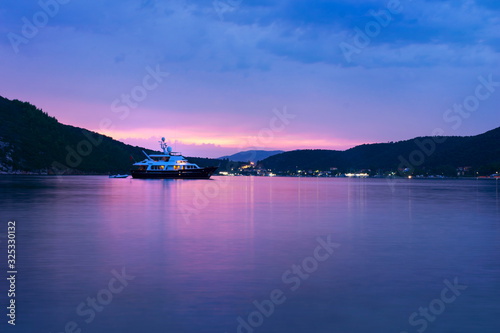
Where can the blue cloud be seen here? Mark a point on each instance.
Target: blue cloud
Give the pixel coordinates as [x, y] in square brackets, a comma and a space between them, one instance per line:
[303, 31]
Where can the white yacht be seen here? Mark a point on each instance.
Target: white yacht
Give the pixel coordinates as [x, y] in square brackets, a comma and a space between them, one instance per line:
[169, 165]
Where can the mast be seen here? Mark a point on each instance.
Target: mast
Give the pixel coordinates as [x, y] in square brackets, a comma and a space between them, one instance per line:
[149, 158]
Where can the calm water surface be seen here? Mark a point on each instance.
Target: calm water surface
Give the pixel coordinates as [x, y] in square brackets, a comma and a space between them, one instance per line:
[202, 251]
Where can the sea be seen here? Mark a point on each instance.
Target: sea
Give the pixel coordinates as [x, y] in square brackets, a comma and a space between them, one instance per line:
[250, 254]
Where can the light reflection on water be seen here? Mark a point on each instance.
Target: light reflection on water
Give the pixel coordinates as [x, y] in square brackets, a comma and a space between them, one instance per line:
[199, 274]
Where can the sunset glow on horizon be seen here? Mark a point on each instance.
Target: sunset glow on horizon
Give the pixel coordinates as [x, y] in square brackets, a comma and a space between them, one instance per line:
[198, 144]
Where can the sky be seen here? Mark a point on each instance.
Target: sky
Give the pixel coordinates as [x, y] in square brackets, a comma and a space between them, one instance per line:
[218, 77]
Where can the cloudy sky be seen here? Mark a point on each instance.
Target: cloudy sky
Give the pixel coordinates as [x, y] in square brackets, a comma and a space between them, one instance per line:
[218, 77]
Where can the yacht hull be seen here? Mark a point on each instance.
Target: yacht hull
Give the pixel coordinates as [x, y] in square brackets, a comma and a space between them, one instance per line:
[202, 173]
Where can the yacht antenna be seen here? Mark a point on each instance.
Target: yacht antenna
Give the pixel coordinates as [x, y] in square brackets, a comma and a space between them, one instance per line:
[163, 145]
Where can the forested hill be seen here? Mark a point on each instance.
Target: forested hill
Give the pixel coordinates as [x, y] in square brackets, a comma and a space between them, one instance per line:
[251, 155]
[31, 140]
[423, 155]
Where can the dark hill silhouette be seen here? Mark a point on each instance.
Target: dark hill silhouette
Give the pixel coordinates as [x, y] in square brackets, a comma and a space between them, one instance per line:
[438, 155]
[33, 141]
[251, 155]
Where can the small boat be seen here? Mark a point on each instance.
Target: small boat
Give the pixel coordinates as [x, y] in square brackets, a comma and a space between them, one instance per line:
[169, 165]
[118, 176]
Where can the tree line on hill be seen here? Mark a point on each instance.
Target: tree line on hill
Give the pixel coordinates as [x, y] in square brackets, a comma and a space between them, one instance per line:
[33, 141]
[473, 155]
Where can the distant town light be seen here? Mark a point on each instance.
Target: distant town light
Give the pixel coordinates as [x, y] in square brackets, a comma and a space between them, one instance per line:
[358, 175]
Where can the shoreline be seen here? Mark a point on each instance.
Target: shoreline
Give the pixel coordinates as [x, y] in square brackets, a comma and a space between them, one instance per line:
[276, 176]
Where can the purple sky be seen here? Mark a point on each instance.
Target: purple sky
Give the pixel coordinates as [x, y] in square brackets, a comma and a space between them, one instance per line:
[234, 65]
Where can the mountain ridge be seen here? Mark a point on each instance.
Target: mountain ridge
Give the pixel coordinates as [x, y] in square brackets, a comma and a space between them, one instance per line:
[439, 154]
[32, 141]
[251, 155]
